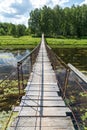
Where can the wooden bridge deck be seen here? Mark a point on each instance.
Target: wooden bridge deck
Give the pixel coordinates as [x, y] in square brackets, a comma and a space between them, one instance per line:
[42, 108]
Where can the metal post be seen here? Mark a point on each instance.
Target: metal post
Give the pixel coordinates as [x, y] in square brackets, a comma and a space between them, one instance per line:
[22, 77]
[18, 70]
[31, 61]
[66, 81]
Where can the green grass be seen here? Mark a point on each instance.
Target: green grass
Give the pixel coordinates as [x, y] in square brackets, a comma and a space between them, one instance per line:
[28, 42]
[11, 43]
[67, 43]
[9, 94]
[13, 116]
[4, 117]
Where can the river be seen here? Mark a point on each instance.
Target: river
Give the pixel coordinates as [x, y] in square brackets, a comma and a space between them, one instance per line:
[75, 56]
[8, 61]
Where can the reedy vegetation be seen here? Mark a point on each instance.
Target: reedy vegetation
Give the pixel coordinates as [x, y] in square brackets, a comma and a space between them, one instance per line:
[24, 42]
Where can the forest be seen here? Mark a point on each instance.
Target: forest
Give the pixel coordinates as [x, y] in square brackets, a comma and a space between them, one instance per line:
[58, 22]
[54, 22]
[13, 30]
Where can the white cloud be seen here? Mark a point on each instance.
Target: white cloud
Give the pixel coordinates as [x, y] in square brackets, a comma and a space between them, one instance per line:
[4, 5]
[60, 2]
[17, 11]
[40, 3]
[84, 2]
[20, 20]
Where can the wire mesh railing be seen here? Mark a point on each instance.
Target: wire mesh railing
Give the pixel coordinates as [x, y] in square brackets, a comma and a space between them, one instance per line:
[9, 91]
[24, 67]
[76, 96]
[73, 88]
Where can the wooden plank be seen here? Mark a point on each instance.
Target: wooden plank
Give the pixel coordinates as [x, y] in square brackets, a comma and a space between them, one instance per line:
[37, 88]
[44, 111]
[46, 122]
[42, 103]
[24, 122]
[40, 128]
[78, 73]
[37, 93]
[39, 98]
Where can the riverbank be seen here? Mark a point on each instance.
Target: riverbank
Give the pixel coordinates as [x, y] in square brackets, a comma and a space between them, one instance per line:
[28, 42]
[67, 43]
[11, 43]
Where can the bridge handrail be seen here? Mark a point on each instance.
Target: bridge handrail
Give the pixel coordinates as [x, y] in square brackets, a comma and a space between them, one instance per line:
[25, 57]
[73, 88]
[61, 61]
[14, 82]
[20, 62]
[70, 67]
[78, 73]
[31, 58]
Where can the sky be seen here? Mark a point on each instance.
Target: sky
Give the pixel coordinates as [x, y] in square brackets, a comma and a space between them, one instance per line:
[17, 11]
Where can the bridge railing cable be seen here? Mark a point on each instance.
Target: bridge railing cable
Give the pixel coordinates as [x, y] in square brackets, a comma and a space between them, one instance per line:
[73, 88]
[24, 68]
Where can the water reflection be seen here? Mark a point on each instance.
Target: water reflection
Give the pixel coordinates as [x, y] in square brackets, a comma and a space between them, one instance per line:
[8, 61]
[20, 54]
[75, 56]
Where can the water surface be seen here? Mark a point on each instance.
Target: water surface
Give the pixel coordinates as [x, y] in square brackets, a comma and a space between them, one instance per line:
[75, 56]
[8, 61]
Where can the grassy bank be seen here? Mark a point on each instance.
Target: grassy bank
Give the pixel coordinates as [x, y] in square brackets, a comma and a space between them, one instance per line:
[28, 42]
[67, 43]
[11, 43]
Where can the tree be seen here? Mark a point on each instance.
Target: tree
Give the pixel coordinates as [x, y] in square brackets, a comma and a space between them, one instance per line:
[58, 19]
[34, 22]
[47, 20]
[20, 29]
[67, 21]
[2, 32]
[12, 30]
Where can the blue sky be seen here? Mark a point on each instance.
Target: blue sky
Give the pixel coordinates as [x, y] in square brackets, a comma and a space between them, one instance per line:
[17, 11]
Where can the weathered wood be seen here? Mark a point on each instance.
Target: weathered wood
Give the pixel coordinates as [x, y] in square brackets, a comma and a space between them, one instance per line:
[45, 122]
[37, 103]
[44, 111]
[39, 98]
[78, 73]
[42, 108]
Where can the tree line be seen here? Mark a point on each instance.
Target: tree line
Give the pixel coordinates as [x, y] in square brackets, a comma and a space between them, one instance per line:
[57, 21]
[54, 22]
[13, 30]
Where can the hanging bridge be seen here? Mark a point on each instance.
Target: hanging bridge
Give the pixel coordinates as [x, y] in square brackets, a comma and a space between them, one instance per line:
[53, 94]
